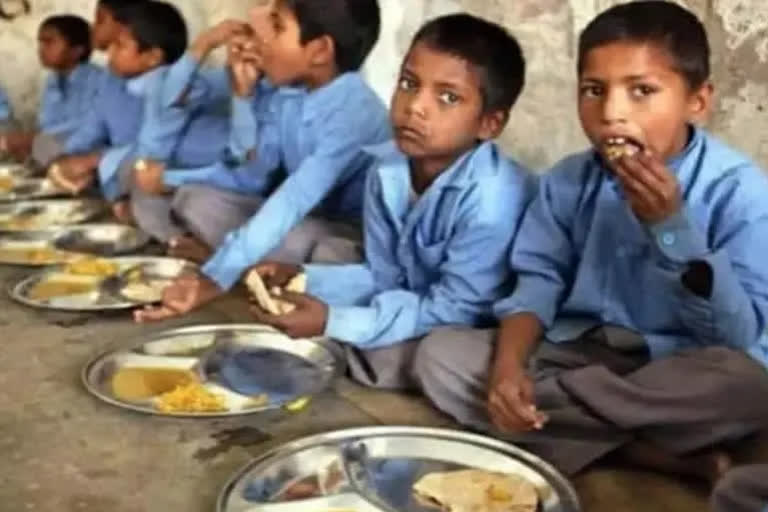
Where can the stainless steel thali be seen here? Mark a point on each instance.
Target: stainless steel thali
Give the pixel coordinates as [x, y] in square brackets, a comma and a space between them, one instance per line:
[374, 469]
[282, 370]
[15, 170]
[22, 189]
[36, 215]
[58, 245]
[100, 292]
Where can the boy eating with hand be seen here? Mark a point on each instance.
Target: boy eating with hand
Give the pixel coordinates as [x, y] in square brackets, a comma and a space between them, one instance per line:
[641, 265]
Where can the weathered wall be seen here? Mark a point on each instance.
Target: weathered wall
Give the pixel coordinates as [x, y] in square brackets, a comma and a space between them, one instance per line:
[544, 124]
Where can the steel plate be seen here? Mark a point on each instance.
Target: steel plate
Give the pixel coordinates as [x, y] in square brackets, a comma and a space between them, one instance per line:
[290, 369]
[22, 189]
[36, 215]
[105, 295]
[58, 245]
[374, 469]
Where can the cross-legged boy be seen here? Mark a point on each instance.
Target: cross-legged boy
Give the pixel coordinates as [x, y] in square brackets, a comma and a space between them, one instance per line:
[296, 169]
[64, 48]
[442, 207]
[637, 326]
[115, 116]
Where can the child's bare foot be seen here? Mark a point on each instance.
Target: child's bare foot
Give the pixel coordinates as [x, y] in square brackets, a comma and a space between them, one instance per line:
[122, 212]
[189, 248]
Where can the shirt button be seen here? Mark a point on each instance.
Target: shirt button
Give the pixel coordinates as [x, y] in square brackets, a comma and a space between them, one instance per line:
[621, 252]
[668, 239]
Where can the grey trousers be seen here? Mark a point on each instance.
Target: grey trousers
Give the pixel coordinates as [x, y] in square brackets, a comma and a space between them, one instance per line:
[598, 397]
[743, 489]
[210, 214]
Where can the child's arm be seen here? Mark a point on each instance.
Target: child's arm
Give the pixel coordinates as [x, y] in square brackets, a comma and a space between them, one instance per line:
[188, 82]
[315, 178]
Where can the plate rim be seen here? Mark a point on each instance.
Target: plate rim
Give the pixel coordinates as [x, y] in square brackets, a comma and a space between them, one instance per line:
[138, 340]
[335, 436]
[142, 237]
[12, 289]
[99, 207]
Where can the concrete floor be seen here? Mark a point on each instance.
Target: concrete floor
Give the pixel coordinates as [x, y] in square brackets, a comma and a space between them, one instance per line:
[64, 451]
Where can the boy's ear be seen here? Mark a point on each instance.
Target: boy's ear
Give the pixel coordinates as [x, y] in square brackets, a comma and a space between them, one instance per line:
[154, 57]
[322, 50]
[700, 103]
[492, 124]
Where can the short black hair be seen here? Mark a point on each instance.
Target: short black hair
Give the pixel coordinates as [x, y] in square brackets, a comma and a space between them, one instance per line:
[490, 49]
[353, 25]
[114, 5]
[156, 25]
[74, 30]
[673, 28]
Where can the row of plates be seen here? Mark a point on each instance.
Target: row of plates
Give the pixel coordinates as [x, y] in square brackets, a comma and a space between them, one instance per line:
[248, 369]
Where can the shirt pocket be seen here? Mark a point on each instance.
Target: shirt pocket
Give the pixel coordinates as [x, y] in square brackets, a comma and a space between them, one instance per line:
[431, 253]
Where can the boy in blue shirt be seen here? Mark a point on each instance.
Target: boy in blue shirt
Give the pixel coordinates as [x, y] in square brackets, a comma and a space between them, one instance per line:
[641, 262]
[442, 206]
[115, 117]
[64, 48]
[296, 150]
[742, 489]
[176, 124]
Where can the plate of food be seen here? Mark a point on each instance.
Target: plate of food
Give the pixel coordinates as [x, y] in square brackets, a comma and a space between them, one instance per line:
[22, 188]
[100, 284]
[68, 243]
[10, 170]
[42, 214]
[212, 371]
[398, 469]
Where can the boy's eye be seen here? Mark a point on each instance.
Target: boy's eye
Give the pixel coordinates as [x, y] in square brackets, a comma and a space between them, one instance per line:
[641, 91]
[448, 98]
[591, 91]
[407, 84]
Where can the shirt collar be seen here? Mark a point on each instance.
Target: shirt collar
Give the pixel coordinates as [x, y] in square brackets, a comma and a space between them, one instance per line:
[330, 96]
[140, 85]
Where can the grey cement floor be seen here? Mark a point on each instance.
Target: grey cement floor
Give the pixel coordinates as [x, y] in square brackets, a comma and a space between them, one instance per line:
[64, 451]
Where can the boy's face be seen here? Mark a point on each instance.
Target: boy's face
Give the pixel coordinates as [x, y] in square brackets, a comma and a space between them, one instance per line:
[631, 95]
[284, 60]
[127, 60]
[437, 108]
[54, 51]
[104, 29]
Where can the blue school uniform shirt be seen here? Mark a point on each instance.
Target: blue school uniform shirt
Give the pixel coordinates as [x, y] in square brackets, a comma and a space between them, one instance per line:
[112, 124]
[179, 125]
[583, 258]
[316, 138]
[5, 107]
[441, 260]
[67, 99]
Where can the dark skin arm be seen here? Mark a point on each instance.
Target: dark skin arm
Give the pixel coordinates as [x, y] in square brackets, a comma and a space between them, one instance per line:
[511, 402]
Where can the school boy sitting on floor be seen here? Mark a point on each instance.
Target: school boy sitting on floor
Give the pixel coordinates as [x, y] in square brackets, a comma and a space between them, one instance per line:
[442, 207]
[642, 265]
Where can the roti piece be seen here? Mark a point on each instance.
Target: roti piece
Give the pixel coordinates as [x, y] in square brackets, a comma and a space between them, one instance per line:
[474, 490]
[267, 299]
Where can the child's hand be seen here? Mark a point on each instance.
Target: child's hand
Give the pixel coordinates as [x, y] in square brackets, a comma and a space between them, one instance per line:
[19, 144]
[307, 320]
[276, 274]
[187, 293]
[651, 188]
[511, 401]
[72, 173]
[217, 36]
[148, 176]
[244, 64]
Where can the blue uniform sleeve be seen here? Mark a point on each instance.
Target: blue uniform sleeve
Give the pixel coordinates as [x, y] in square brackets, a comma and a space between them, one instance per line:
[109, 170]
[189, 82]
[734, 312]
[472, 273]
[5, 107]
[51, 106]
[542, 257]
[243, 137]
[91, 135]
[338, 155]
